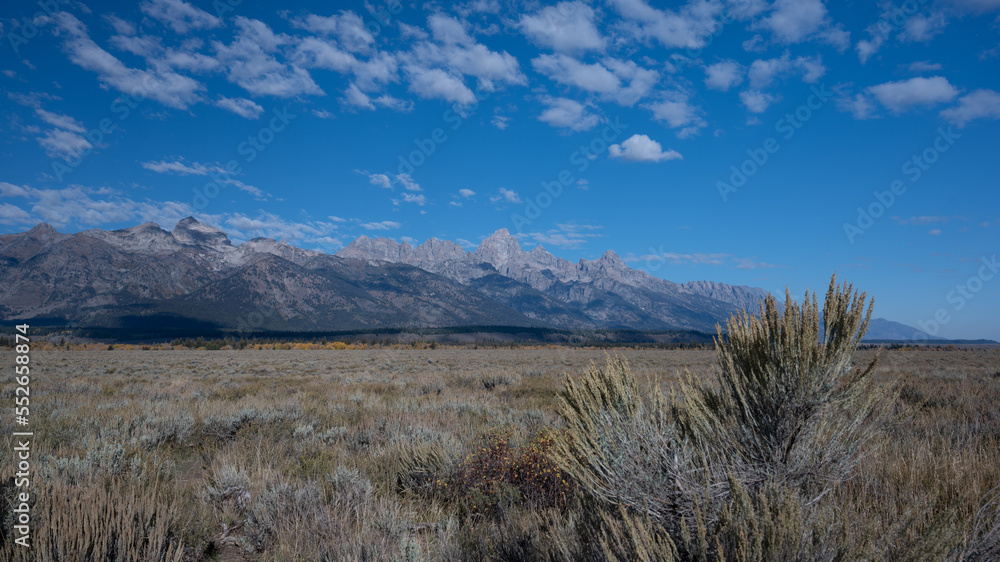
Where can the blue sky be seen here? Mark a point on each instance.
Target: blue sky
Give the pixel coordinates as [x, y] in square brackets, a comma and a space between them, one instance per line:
[749, 142]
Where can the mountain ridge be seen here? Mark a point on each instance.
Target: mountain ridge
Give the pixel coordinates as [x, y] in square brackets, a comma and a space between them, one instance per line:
[195, 271]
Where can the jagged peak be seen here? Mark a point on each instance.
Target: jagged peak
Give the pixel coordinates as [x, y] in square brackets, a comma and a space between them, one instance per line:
[611, 256]
[194, 233]
[498, 248]
[42, 228]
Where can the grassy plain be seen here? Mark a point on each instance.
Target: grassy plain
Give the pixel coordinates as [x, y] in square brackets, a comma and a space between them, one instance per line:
[399, 454]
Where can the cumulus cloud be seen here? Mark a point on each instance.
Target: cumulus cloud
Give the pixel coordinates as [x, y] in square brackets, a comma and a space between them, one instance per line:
[723, 75]
[684, 28]
[382, 225]
[791, 21]
[566, 70]
[905, 94]
[465, 192]
[14, 215]
[568, 114]
[568, 236]
[506, 195]
[380, 180]
[158, 83]
[251, 62]
[348, 28]
[61, 121]
[641, 148]
[240, 106]
[567, 27]
[182, 168]
[677, 112]
[921, 28]
[437, 83]
[419, 199]
[756, 101]
[179, 15]
[763, 72]
[64, 144]
[980, 104]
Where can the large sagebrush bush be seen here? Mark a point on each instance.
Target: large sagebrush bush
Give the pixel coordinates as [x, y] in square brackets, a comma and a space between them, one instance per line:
[739, 468]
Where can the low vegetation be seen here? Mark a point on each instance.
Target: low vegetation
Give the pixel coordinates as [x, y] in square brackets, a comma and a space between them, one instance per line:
[783, 444]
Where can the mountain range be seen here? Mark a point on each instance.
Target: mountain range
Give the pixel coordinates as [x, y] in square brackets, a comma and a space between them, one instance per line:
[194, 274]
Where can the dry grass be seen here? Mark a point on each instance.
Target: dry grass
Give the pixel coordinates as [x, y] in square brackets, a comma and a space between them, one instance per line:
[361, 455]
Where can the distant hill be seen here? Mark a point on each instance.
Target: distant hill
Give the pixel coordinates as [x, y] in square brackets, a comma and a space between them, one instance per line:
[195, 276]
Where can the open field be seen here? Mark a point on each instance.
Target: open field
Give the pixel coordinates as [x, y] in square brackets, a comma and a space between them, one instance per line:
[380, 454]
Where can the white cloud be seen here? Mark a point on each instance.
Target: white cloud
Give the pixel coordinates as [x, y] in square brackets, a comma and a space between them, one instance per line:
[314, 52]
[179, 15]
[867, 48]
[380, 180]
[567, 27]
[437, 83]
[251, 63]
[904, 94]
[567, 113]
[13, 215]
[464, 192]
[160, 84]
[60, 143]
[81, 206]
[268, 225]
[921, 28]
[121, 27]
[62, 121]
[763, 72]
[687, 27]
[728, 260]
[419, 199]
[348, 27]
[408, 182]
[500, 121]
[607, 78]
[181, 168]
[791, 21]
[641, 148]
[756, 101]
[240, 106]
[383, 225]
[723, 75]
[678, 113]
[11, 190]
[568, 71]
[980, 104]
[354, 97]
[568, 236]
[861, 106]
[435, 67]
[924, 66]
[507, 196]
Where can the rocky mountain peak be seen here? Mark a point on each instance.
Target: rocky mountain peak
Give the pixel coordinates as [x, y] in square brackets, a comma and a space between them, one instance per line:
[612, 260]
[193, 233]
[437, 251]
[42, 229]
[498, 249]
[377, 249]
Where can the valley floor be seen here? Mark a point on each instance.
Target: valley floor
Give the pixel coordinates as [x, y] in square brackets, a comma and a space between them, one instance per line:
[396, 454]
